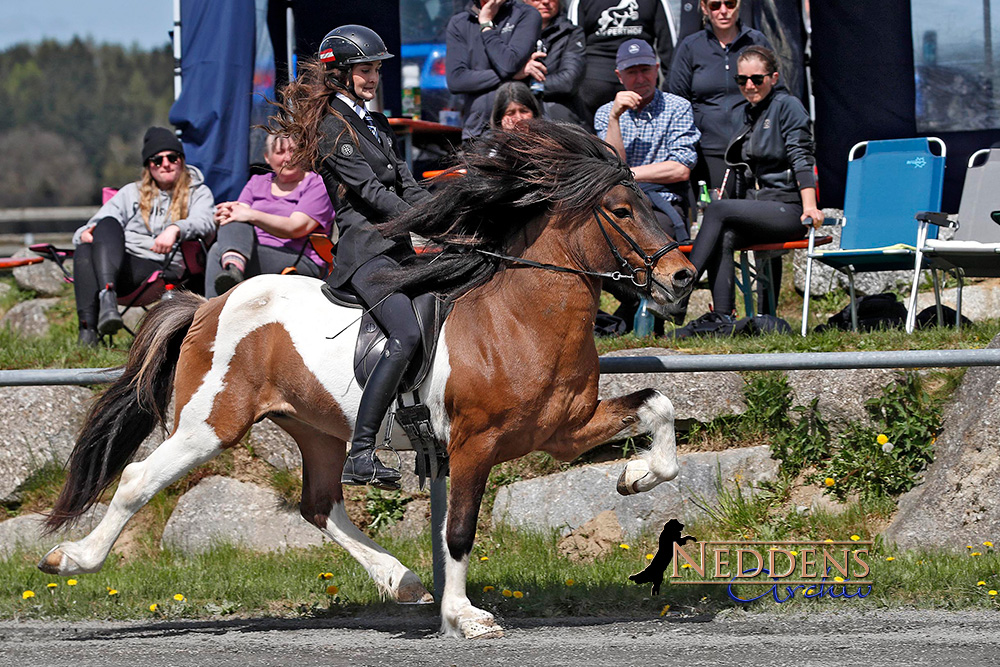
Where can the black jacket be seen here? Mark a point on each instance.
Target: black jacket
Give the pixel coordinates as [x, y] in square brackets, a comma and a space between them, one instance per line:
[773, 151]
[703, 73]
[564, 62]
[478, 62]
[377, 184]
[608, 23]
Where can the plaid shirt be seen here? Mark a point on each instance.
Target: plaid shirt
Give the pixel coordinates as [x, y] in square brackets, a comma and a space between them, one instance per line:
[663, 130]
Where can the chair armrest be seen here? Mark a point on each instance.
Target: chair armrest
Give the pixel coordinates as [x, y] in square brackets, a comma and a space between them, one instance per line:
[827, 222]
[936, 218]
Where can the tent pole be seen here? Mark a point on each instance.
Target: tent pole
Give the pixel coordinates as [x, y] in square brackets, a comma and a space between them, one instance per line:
[177, 49]
[290, 40]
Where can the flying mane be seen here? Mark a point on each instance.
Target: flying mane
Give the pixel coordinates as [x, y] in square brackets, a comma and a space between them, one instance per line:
[510, 179]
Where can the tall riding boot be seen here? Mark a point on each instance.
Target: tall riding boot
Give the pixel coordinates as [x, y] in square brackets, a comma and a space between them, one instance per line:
[362, 466]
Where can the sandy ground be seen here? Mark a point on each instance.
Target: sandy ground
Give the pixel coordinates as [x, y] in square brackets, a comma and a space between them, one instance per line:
[909, 637]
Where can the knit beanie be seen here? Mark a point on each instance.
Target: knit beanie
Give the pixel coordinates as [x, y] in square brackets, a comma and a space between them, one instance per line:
[159, 139]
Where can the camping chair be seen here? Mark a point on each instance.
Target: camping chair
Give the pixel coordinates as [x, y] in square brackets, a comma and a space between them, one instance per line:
[975, 248]
[888, 182]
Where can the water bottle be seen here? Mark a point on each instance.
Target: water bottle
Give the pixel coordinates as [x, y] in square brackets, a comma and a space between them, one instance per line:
[411, 91]
[643, 324]
[168, 292]
[538, 87]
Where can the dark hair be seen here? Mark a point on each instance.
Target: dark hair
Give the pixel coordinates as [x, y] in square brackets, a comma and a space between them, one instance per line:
[761, 53]
[512, 91]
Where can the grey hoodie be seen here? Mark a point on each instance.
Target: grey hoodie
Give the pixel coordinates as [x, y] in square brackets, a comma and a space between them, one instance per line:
[124, 207]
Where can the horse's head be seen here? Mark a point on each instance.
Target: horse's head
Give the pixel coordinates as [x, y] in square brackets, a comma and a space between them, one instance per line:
[640, 250]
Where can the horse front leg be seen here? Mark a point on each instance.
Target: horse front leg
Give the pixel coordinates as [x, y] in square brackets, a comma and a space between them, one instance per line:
[643, 412]
[470, 468]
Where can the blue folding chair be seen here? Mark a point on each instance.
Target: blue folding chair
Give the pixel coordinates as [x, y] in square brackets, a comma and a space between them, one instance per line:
[888, 183]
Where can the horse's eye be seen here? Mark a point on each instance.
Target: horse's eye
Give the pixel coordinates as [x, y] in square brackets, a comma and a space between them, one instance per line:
[622, 212]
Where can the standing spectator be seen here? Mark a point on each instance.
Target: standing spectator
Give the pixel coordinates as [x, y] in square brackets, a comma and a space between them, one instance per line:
[608, 23]
[654, 133]
[491, 42]
[702, 72]
[267, 229]
[563, 62]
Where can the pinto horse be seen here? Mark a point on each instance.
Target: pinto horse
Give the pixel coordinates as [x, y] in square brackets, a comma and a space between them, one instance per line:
[532, 229]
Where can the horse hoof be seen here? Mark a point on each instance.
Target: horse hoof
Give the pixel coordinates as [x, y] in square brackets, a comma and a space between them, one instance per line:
[481, 629]
[414, 594]
[633, 472]
[51, 563]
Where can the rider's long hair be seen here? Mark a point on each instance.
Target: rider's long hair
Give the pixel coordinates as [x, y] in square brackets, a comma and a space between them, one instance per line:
[510, 179]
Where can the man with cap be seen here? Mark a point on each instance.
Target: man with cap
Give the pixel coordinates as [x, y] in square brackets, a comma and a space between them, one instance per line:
[654, 132]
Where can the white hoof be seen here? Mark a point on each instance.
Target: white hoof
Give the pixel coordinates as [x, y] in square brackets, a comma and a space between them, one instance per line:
[481, 629]
[630, 482]
[471, 623]
[56, 561]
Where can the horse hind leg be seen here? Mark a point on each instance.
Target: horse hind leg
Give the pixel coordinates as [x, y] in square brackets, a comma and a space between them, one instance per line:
[323, 506]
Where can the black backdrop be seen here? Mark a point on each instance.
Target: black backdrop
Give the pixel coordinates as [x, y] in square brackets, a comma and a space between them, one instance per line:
[862, 69]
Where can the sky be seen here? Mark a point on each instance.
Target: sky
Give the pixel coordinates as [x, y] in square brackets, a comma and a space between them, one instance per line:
[143, 22]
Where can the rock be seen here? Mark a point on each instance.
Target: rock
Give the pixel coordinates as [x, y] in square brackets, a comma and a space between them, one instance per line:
[958, 501]
[567, 500]
[416, 519]
[842, 393]
[275, 446]
[45, 278]
[133, 317]
[25, 532]
[697, 397]
[5, 289]
[599, 536]
[29, 318]
[221, 510]
[980, 301]
[39, 425]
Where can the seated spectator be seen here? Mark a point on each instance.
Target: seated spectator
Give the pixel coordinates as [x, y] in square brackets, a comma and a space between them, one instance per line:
[488, 45]
[606, 24]
[267, 229]
[513, 104]
[773, 153]
[562, 63]
[654, 133]
[132, 234]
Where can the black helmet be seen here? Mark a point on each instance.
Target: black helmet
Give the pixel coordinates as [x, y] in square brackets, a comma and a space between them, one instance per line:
[352, 44]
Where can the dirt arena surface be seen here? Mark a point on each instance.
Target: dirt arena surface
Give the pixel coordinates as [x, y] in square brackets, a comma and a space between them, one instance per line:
[911, 637]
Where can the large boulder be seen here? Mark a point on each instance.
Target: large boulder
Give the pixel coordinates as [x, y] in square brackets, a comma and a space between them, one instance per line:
[29, 318]
[980, 301]
[697, 397]
[958, 501]
[566, 501]
[275, 446]
[842, 394]
[45, 278]
[221, 510]
[39, 425]
[25, 532]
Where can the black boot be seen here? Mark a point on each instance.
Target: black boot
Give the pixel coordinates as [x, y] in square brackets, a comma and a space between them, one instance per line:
[230, 277]
[109, 321]
[88, 337]
[362, 466]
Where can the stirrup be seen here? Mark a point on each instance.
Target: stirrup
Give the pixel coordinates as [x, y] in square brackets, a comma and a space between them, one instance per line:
[388, 482]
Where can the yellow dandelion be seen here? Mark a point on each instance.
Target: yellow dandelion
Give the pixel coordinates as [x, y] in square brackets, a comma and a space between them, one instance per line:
[686, 566]
[980, 583]
[992, 593]
[855, 538]
[666, 608]
[968, 546]
[810, 591]
[988, 544]
[890, 558]
[975, 553]
[704, 598]
[570, 582]
[27, 594]
[179, 597]
[506, 593]
[794, 553]
[71, 582]
[838, 579]
[649, 556]
[52, 585]
[112, 592]
[828, 540]
[518, 594]
[487, 589]
[328, 575]
[829, 481]
[882, 438]
[624, 546]
[153, 607]
[332, 589]
[484, 558]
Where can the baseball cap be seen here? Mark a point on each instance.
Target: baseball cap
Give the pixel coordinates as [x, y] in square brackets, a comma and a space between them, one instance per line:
[634, 52]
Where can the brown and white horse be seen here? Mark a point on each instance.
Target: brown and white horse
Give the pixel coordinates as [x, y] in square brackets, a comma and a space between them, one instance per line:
[516, 369]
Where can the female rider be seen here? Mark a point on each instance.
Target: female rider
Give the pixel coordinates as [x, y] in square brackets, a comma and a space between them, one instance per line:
[324, 113]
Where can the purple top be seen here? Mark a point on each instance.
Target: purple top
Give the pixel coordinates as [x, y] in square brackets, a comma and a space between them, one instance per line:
[309, 197]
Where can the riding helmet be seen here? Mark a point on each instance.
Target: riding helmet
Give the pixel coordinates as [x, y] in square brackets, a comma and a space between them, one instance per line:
[352, 44]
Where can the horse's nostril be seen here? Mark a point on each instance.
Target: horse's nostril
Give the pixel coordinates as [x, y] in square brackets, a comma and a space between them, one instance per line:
[683, 278]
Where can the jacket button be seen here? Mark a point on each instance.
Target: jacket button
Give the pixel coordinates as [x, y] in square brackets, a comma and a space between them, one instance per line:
[390, 166]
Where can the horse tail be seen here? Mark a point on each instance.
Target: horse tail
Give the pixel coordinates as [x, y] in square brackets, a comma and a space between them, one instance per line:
[126, 413]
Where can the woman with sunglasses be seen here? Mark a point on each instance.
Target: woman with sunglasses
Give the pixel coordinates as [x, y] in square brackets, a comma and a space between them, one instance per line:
[773, 156]
[132, 234]
[702, 73]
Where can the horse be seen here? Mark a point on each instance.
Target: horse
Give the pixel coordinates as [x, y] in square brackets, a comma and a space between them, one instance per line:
[539, 219]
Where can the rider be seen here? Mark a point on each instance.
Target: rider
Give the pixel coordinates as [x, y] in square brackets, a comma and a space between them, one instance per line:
[325, 112]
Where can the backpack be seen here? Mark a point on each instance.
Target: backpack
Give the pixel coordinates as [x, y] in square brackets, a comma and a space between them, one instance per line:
[875, 311]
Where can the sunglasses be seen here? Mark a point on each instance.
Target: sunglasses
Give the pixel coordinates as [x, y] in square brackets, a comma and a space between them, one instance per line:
[758, 79]
[716, 5]
[157, 160]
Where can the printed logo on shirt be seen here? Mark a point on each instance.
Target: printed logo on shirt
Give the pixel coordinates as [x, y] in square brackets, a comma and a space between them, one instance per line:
[612, 20]
[347, 150]
[507, 28]
[767, 123]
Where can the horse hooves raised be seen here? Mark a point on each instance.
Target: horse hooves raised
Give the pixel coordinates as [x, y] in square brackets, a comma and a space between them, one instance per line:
[52, 562]
[414, 594]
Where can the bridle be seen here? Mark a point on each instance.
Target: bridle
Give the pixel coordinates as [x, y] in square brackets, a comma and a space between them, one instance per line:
[641, 277]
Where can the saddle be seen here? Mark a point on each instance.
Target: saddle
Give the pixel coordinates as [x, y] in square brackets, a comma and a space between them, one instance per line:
[414, 417]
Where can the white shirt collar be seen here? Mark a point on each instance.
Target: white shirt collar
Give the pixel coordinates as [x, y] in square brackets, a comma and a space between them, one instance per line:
[358, 108]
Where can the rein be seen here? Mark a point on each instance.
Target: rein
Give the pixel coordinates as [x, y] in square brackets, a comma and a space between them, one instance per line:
[640, 277]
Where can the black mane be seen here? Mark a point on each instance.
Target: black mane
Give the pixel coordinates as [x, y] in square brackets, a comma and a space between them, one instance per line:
[510, 179]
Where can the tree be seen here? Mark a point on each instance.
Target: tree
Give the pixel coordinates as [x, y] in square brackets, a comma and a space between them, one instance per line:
[43, 169]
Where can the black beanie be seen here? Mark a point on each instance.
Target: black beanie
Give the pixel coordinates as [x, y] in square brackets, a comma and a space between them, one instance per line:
[159, 139]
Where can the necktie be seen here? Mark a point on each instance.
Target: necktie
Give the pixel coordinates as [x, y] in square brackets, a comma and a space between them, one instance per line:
[369, 122]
